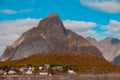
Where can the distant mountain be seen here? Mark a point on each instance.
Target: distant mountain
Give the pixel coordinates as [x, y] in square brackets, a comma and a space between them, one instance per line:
[110, 47]
[50, 35]
[80, 62]
[117, 59]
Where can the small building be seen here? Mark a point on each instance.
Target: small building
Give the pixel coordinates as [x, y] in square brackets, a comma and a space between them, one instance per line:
[5, 73]
[41, 67]
[23, 68]
[71, 71]
[47, 66]
[59, 67]
[30, 70]
[1, 72]
[43, 72]
[12, 71]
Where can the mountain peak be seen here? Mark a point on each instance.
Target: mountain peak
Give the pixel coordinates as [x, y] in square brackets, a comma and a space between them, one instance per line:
[50, 35]
[52, 23]
[52, 15]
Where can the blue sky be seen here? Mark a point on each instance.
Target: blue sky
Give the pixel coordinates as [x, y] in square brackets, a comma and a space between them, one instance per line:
[95, 18]
[67, 9]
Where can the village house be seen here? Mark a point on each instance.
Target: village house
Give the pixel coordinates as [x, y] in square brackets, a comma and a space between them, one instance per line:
[47, 66]
[43, 69]
[40, 67]
[58, 67]
[71, 71]
[23, 69]
[1, 72]
[12, 71]
[43, 72]
[30, 70]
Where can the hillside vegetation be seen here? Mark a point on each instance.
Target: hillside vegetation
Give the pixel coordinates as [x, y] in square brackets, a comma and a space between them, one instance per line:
[80, 62]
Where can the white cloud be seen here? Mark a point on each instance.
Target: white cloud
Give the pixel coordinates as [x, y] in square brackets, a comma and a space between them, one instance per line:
[24, 10]
[81, 25]
[110, 6]
[93, 34]
[113, 28]
[11, 30]
[17, 26]
[84, 28]
[10, 11]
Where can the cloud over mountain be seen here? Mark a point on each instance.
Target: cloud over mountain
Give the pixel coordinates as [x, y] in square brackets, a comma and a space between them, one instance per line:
[11, 30]
[83, 28]
[82, 25]
[112, 28]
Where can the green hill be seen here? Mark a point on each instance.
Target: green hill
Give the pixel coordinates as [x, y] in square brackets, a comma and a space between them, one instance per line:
[80, 62]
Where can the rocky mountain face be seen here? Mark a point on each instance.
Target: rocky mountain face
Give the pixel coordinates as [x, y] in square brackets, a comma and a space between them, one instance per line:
[50, 35]
[110, 47]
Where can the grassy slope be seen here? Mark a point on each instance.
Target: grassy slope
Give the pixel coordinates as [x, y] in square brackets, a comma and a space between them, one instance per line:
[82, 63]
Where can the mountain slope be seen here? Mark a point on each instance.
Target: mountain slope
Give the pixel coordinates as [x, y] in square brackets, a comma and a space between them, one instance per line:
[110, 47]
[80, 62]
[50, 35]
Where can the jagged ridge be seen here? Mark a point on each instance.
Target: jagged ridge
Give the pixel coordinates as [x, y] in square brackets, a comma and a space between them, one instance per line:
[110, 47]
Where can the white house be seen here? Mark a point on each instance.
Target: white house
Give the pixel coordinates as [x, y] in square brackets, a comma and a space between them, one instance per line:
[23, 68]
[47, 66]
[40, 67]
[43, 73]
[12, 71]
[30, 70]
[70, 71]
[5, 73]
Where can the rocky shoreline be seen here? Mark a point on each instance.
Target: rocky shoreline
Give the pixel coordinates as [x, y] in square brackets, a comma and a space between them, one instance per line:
[109, 76]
